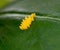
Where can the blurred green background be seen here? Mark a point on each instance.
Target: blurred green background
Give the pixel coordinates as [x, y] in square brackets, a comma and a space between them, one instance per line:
[44, 33]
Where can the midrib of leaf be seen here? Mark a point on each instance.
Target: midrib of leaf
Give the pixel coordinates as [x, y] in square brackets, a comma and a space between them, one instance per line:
[19, 16]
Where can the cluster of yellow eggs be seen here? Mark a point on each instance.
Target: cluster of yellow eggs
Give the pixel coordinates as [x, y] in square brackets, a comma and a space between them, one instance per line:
[25, 24]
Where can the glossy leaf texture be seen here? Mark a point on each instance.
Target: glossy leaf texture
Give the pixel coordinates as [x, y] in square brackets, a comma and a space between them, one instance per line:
[44, 33]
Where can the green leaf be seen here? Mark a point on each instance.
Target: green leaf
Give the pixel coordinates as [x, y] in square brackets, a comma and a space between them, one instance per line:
[44, 33]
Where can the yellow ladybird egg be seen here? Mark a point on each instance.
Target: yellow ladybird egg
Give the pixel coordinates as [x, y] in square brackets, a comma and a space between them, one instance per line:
[25, 24]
